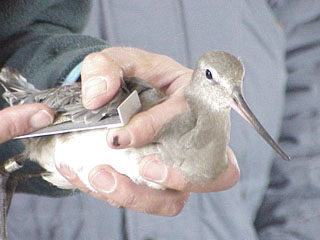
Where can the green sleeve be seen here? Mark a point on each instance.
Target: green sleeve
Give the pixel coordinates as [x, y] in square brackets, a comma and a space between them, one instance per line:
[42, 40]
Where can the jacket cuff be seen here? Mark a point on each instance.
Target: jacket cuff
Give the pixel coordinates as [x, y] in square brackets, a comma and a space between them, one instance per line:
[74, 75]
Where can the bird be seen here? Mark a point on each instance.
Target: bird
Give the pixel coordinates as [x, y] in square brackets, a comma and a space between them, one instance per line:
[194, 141]
[201, 133]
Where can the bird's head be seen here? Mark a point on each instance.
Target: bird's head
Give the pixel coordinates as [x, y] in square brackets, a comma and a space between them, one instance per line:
[217, 81]
[219, 76]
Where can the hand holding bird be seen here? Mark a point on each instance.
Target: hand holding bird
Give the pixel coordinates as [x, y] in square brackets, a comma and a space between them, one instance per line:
[170, 77]
[191, 142]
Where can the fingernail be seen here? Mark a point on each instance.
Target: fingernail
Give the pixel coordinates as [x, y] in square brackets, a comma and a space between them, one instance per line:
[66, 172]
[41, 119]
[94, 87]
[154, 170]
[103, 181]
[121, 138]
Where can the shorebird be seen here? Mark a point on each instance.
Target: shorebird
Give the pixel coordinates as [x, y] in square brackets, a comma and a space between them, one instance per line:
[194, 141]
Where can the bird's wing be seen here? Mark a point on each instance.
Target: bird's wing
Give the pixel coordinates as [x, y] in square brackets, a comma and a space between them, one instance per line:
[78, 113]
[66, 100]
[148, 94]
[67, 104]
[17, 89]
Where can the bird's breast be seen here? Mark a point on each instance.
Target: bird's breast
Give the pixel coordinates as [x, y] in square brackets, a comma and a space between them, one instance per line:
[196, 143]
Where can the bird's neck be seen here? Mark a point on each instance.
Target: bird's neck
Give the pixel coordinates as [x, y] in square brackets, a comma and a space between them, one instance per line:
[199, 104]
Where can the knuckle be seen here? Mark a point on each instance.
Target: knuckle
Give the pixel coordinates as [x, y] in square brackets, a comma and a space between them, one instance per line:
[151, 124]
[93, 64]
[94, 57]
[130, 201]
[114, 203]
[164, 58]
[144, 129]
[13, 127]
[175, 209]
[185, 186]
[100, 64]
[176, 206]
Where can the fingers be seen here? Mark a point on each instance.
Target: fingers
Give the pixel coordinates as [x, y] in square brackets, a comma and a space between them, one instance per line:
[20, 119]
[101, 73]
[153, 169]
[143, 126]
[119, 190]
[100, 78]
[159, 70]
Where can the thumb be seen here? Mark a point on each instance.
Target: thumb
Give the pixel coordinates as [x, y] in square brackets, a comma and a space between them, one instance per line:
[20, 119]
[100, 78]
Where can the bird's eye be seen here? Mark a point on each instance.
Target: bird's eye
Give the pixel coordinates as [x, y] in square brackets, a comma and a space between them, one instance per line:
[208, 74]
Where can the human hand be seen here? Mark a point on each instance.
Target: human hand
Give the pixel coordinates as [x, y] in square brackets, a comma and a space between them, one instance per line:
[101, 74]
[21, 119]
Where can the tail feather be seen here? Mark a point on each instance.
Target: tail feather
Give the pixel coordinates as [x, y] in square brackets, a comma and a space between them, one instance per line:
[17, 89]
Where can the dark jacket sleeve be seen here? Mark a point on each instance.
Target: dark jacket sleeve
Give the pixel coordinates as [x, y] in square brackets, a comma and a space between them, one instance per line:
[42, 40]
[291, 207]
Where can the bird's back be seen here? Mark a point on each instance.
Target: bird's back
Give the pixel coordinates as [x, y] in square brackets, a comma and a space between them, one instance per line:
[66, 100]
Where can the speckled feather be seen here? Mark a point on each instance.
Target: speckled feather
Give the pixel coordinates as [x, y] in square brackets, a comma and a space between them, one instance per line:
[66, 100]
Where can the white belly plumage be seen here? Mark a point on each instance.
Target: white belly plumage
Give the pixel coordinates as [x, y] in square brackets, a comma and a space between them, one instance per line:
[81, 152]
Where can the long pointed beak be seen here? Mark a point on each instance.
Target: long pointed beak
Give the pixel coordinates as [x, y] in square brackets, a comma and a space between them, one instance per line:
[239, 104]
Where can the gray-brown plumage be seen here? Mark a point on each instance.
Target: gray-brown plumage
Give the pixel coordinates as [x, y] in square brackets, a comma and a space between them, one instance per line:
[66, 100]
[194, 141]
[67, 105]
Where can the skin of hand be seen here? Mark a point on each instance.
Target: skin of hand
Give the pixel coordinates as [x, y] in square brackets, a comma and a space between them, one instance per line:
[101, 73]
[21, 119]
